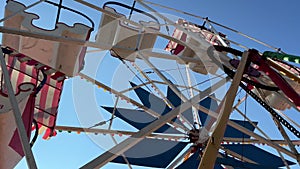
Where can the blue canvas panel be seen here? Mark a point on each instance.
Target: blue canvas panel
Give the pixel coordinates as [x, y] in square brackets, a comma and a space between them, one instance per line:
[151, 101]
[193, 162]
[236, 164]
[152, 153]
[234, 133]
[139, 119]
[257, 155]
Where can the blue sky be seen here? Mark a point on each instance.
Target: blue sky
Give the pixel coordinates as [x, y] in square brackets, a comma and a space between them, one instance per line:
[274, 22]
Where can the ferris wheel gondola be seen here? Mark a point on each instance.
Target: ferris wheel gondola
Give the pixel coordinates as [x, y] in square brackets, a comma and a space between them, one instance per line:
[175, 123]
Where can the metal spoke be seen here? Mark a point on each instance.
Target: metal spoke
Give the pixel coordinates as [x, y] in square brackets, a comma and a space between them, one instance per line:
[139, 136]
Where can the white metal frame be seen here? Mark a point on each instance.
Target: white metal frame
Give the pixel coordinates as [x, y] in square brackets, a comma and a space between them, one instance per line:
[212, 148]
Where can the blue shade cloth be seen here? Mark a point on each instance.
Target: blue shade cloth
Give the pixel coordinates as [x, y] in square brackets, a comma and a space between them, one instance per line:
[207, 103]
[160, 153]
[193, 162]
[236, 164]
[210, 105]
[152, 153]
[139, 119]
[176, 101]
[173, 98]
[234, 133]
[157, 104]
[151, 101]
[257, 155]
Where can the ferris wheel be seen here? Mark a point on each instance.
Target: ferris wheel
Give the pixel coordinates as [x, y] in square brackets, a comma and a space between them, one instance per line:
[177, 91]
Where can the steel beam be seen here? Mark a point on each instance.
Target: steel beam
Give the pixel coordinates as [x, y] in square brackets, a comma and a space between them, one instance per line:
[212, 149]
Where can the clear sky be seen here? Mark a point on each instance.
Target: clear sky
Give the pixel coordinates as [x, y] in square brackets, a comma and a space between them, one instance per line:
[274, 22]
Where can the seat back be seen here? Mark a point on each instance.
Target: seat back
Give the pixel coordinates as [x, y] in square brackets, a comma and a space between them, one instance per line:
[124, 37]
[207, 39]
[64, 57]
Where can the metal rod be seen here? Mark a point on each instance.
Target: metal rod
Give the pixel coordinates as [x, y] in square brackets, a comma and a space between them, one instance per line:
[194, 110]
[167, 136]
[288, 118]
[203, 18]
[58, 11]
[211, 151]
[178, 58]
[173, 9]
[55, 38]
[113, 113]
[131, 10]
[112, 135]
[289, 143]
[117, 132]
[246, 36]
[17, 116]
[255, 141]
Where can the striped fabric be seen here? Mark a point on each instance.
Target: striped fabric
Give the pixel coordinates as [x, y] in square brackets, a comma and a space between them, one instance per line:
[23, 69]
[174, 47]
[47, 102]
[210, 37]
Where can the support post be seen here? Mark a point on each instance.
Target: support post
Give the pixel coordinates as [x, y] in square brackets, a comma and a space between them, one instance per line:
[17, 115]
[211, 151]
